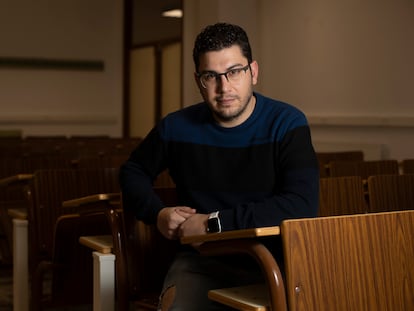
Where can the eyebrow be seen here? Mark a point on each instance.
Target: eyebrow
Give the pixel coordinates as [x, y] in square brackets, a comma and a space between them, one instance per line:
[235, 66]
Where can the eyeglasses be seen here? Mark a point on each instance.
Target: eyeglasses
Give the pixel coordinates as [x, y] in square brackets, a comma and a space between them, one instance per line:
[209, 79]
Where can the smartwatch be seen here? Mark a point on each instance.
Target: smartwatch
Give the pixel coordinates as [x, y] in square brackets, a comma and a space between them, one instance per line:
[213, 223]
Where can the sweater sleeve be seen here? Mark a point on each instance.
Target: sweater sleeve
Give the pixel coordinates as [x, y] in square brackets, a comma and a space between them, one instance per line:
[137, 175]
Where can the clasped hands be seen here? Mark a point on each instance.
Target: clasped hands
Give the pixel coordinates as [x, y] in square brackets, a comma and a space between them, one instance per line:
[178, 221]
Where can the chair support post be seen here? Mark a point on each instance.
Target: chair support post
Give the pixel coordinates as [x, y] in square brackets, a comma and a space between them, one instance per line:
[262, 256]
[115, 221]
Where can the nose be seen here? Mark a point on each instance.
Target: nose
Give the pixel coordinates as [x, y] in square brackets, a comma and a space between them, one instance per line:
[222, 81]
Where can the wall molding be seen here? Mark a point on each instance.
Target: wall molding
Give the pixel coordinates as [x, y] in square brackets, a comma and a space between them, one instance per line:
[51, 63]
[58, 120]
[361, 121]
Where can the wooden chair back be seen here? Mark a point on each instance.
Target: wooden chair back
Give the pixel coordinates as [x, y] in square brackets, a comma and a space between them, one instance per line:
[71, 267]
[46, 192]
[363, 168]
[391, 192]
[353, 262]
[324, 158]
[407, 166]
[12, 192]
[341, 196]
[25, 156]
[99, 161]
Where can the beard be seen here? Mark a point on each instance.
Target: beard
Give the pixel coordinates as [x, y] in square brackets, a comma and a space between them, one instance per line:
[227, 116]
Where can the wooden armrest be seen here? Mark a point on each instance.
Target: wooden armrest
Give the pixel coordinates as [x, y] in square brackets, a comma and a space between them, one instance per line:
[112, 198]
[18, 213]
[100, 243]
[231, 235]
[15, 179]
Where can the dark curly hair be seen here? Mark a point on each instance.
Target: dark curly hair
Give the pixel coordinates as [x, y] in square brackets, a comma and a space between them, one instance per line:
[219, 36]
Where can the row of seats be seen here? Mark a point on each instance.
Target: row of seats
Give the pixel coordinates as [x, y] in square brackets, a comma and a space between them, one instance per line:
[37, 181]
[149, 264]
[54, 255]
[73, 146]
[352, 163]
[353, 195]
[20, 157]
[141, 252]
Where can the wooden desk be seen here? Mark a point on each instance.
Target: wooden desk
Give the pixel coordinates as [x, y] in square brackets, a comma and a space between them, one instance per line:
[232, 235]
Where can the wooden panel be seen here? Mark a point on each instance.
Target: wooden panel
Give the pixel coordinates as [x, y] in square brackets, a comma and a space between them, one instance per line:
[361, 262]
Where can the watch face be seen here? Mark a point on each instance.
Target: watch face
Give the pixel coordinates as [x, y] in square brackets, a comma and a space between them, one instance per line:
[213, 225]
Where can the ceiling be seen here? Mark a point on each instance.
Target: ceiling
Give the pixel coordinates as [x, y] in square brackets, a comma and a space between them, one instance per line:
[148, 26]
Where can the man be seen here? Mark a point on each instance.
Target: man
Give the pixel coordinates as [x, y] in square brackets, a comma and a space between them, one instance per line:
[239, 160]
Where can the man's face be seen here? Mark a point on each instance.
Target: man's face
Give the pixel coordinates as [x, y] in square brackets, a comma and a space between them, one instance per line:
[231, 101]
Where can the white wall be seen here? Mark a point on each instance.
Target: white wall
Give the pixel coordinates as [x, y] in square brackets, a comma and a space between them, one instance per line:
[347, 64]
[58, 101]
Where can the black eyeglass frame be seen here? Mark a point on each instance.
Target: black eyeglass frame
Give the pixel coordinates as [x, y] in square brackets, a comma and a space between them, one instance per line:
[217, 75]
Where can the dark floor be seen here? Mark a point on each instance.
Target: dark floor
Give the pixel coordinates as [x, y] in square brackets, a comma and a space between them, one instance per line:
[6, 288]
[6, 292]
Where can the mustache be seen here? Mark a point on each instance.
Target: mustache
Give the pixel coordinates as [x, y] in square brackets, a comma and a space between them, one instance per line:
[221, 98]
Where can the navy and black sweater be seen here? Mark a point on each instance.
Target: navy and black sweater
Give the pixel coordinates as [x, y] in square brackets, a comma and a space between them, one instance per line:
[256, 174]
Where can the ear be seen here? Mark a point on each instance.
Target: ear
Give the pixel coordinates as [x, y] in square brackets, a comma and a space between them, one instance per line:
[254, 68]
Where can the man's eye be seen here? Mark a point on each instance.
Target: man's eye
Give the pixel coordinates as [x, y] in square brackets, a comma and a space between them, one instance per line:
[209, 76]
[233, 72]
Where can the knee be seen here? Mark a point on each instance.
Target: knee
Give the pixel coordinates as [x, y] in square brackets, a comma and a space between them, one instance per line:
[167, 298]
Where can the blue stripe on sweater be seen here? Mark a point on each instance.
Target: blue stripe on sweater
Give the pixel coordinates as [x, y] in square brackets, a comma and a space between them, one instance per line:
[269, 123]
